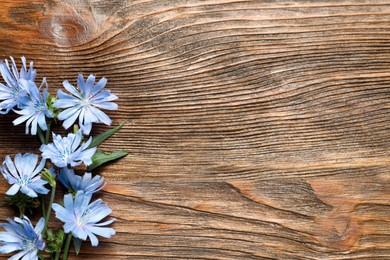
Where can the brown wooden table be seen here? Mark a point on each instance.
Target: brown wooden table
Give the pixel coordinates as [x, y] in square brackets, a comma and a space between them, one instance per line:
[256, 129]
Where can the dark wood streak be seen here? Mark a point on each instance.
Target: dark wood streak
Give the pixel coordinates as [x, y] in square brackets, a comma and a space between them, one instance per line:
[256, 129]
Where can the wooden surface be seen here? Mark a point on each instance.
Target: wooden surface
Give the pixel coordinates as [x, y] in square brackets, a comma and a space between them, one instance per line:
[256, 129]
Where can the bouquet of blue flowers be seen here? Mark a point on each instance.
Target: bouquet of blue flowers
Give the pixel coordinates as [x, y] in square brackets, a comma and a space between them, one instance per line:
[32, 179]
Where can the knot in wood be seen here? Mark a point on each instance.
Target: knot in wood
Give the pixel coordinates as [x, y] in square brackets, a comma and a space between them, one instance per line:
[67, 30]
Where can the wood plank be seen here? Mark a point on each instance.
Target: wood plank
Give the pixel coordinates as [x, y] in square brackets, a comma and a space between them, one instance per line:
[256, 129]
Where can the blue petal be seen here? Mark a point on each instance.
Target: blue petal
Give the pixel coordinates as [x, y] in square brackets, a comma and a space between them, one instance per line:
[102, 231]
[13, 190]
[81, 83]
[61, 213]
[8, 248]
[68, 203]
[106, 105]
[69, 116]
[77, 140]
[99, 86]
[39, 226]
[7, 237]
[11, 167]
[29, 192]
[100, 214]
[101, 115]
[69, 87]
[93, 238]
[79, 232]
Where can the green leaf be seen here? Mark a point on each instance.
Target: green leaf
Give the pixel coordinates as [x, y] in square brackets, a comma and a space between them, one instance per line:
[77, 244]
[23, 202]
[100, 138]
[41, 257]
[101, 157]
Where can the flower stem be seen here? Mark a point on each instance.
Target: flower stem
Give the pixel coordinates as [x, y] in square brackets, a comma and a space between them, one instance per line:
[53, 193]
[21, 212]
[57, 255]
[40, 135]
[67, 245]
[43, 206]
[47, 134]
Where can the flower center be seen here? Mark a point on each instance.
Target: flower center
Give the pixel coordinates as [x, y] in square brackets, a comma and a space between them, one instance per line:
[83, 218]
[24, 180]
[28, 244]
[86, 102]
[38, 106]
[65, 153]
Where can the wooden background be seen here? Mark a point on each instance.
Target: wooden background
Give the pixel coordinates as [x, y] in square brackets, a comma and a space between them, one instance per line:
[256, 129]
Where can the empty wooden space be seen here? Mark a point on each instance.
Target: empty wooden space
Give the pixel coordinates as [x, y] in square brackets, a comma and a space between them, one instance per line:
[255, 129]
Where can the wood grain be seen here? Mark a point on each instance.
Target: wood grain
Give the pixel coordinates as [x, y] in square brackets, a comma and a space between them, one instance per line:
[256, 129]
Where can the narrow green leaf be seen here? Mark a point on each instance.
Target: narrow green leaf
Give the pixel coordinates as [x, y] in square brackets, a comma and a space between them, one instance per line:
[101, 157]
[100, 138]
[77, 244]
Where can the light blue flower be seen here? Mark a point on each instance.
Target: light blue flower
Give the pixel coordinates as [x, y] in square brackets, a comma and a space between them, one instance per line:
[68, 150]
[35, 110]
[13, 94]
[86, 104]
[20, 235]
[81, 218]
[77, 183]
[24, 175]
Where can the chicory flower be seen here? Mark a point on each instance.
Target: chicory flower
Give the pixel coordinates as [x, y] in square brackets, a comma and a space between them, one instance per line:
[82, 218]
[86, 103]
[24, 175]
[35, 110]
[13, 94]
[77, 183]
[68, 150]
[20, 235]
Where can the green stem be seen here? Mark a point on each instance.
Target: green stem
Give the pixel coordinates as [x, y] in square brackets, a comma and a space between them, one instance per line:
[58, 252]
[21, 212]
[43, 206]
[67, 245]
[40, 135]
[47, 134]
[52, 195]
[57, 257]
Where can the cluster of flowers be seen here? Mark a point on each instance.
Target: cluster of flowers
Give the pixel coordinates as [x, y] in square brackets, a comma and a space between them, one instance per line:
[31, 180]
